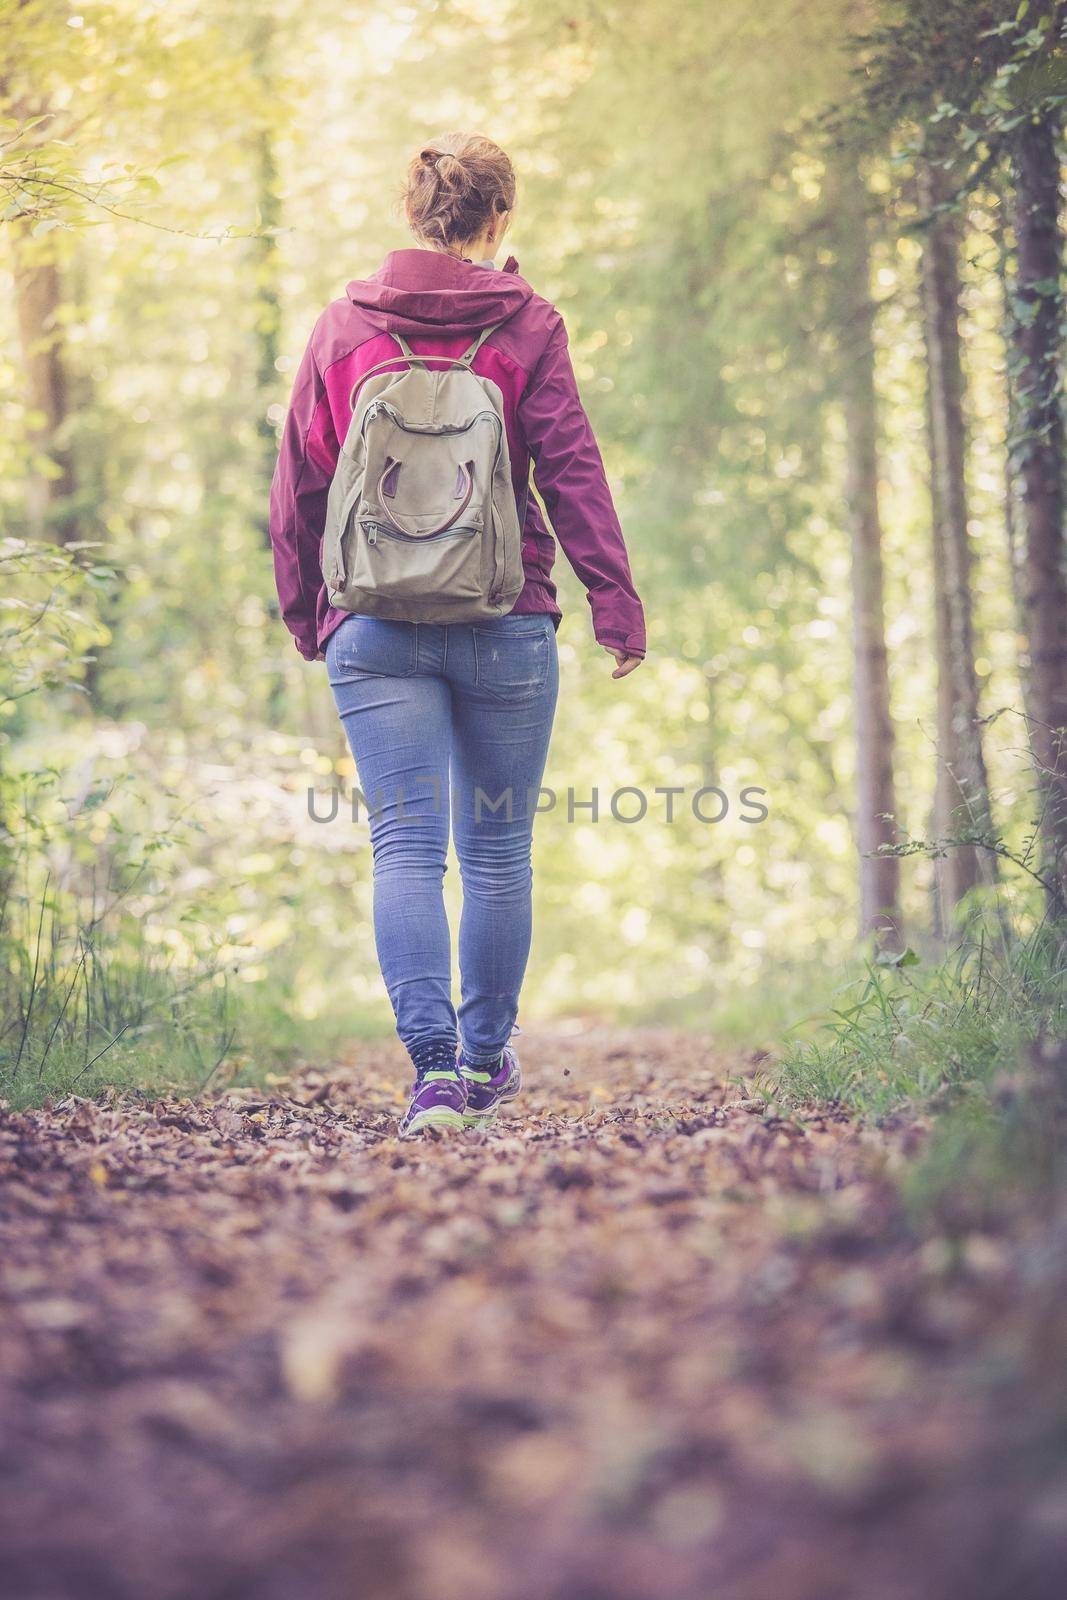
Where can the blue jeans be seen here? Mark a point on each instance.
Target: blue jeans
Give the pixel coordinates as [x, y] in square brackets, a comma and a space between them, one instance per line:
[449, 718]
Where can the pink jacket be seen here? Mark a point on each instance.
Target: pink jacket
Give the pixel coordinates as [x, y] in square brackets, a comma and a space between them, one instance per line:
[437, 301]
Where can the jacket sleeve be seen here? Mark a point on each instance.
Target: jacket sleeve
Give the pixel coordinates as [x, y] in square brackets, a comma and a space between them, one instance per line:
[306, 461]
[570, 478]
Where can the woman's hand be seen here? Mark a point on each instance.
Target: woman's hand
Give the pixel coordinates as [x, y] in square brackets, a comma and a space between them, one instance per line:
[624, 663]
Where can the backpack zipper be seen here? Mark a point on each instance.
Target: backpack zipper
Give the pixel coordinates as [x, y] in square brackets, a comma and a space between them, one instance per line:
[376, 528]
[394, 415]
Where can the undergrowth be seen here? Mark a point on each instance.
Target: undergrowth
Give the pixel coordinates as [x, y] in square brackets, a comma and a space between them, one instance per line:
[911, 1032]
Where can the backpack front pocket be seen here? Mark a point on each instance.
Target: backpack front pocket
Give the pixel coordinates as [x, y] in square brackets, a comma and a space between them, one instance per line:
[398, 566]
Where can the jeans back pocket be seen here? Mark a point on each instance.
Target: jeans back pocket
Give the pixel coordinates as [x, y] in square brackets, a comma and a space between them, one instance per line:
[373, 644]
[512, 664]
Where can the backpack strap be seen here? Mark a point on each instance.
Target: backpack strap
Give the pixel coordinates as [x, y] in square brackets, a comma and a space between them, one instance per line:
[469, 354]
[420, 361]
[408, 352]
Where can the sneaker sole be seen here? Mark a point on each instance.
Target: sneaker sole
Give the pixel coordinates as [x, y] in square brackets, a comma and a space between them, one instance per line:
[482, 1119]
[434, 1119]
[479, 1119]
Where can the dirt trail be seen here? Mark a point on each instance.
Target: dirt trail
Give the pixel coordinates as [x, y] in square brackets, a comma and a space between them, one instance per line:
[646, 1343]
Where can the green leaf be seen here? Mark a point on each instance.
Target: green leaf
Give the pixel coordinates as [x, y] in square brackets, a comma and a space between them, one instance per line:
[897, 958]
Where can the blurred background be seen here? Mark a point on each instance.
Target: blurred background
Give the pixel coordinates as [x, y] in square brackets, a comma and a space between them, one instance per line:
[790, 243]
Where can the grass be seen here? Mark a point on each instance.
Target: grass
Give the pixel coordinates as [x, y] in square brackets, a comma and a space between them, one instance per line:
[81, 1018]
[244, 1040]
[908, 1032]
[110, 979]
[1000, 1152]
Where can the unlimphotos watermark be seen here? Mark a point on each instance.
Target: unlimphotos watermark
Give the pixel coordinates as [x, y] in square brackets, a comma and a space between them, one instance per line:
[627, 804]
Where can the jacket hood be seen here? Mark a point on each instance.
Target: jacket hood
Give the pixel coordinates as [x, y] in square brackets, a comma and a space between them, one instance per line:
[426, 291]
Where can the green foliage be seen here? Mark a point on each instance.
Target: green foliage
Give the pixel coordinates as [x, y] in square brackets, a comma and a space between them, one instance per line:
[1000, 1152]
[962, 77]
[125, 948]
[909, 1031]
[48, 599]
[42, 182]
[124, 961]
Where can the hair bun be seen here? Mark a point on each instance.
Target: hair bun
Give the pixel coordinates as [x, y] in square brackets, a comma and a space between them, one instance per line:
[455, 187]
[444, 166]
[451, 169]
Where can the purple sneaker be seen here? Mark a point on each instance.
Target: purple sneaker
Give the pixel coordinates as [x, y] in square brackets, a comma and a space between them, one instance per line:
[488, 1090]
[438, 1100]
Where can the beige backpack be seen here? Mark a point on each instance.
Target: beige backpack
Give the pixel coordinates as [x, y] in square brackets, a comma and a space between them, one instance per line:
[421, 521]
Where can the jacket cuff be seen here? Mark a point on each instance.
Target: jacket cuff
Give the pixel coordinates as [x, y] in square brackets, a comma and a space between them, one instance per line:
[308, 647]
[634, 645]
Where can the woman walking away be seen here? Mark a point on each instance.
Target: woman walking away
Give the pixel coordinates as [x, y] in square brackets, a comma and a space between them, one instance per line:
[412, 558]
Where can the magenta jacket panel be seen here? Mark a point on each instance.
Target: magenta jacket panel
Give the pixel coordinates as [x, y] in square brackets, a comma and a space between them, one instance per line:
[438, 303]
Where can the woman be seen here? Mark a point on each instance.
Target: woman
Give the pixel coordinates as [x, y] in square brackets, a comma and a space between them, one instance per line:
[453, 712]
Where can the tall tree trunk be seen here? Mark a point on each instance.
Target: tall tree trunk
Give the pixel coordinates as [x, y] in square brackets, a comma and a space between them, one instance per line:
[53, 489]
[1038, 459]
[266, 325]
[267, 312]
[962, 797]
[38, 293]
[38, 298]
[942, 903]
[267, 266]
[876, 799]
[1016, 548]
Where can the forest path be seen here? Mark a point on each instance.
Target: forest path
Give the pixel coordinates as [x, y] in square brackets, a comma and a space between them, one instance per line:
[645, 1341]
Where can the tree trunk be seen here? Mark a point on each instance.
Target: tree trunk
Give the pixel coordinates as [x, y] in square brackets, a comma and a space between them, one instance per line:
[267, 307]
[38, 297]
[962, 797]
[267, 266]
[267, 313]
[1038, 461]
[876, 800]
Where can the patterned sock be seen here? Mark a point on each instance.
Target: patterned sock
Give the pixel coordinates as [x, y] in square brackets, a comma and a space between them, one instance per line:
[436, 1055]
